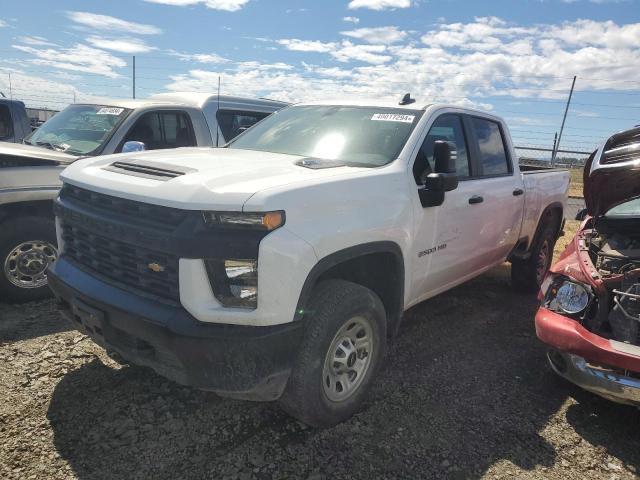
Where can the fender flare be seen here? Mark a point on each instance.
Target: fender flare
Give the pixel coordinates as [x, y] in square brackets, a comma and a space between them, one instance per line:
[350, 253]
[519, 253]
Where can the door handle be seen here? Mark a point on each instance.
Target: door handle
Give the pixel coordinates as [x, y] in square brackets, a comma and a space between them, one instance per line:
[476, 199]
[517, 192]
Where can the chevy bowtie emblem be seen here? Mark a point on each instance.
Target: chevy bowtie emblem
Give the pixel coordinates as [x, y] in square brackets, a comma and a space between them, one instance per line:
[156, 267]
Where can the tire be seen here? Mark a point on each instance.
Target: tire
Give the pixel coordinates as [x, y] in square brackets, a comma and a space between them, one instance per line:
[338, 309]
[27, 247]
[527, 275]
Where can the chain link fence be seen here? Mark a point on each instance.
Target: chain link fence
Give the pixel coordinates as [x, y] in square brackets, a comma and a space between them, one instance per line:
[541, 157]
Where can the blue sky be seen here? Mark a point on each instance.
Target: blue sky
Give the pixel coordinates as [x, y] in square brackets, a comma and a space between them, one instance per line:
[514, 57]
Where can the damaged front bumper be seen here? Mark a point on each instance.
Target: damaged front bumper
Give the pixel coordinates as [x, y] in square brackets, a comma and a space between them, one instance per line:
[605, 367]
[610, 384]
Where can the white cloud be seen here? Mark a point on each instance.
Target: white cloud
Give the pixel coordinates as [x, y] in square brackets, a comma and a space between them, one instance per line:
[2, 23]
[344, 51]
[78, 58]
[37, 41]
[298, 45]
[225, 5]
[123, 45]
[385, 35]
[351, 19]
[457, 63]
[199, 57]
[54, 94]
[105, 22]
[364, 53]
[379, 4]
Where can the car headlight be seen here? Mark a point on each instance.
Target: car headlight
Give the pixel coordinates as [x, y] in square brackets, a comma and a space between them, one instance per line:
[255, 220]
[569, 297]
[234, 281]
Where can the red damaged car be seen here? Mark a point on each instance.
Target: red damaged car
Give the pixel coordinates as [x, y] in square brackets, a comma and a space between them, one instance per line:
[590, 300]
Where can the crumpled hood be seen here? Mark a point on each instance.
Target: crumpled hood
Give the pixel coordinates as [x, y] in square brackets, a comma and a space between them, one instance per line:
[205, 178]
[612, 173]
[17, 151]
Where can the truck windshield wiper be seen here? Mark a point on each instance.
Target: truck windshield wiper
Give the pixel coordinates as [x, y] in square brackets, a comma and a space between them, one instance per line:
[51, 146]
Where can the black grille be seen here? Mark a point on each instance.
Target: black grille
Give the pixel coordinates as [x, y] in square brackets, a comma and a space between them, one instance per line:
[122, 264]
[137, 213]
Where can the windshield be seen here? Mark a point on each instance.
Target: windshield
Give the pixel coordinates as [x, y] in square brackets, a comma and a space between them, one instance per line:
[79, 129]
[626, 209]
[362, 136]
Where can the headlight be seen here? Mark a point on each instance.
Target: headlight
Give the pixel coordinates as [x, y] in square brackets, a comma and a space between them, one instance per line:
[572, 297]
[234, 282]
[255, 220]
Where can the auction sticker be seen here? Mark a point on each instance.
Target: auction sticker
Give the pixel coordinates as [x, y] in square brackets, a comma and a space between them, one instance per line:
[393, 117]
[110, 111]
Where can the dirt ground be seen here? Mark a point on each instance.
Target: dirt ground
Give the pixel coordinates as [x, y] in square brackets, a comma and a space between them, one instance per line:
[465, 393]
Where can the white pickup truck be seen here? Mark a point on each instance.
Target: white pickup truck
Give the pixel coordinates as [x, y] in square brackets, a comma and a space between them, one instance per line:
[29, 174]
[277, 267]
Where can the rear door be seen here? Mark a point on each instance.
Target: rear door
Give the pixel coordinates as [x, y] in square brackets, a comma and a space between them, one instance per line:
[499, 190]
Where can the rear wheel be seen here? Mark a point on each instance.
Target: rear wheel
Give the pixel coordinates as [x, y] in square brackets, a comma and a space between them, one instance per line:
[528, 275]
[27, 248]
[339, 356]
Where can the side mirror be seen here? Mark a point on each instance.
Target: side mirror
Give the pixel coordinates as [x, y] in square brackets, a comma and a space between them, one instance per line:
[582, 214]
[133, 146]
[445, 177]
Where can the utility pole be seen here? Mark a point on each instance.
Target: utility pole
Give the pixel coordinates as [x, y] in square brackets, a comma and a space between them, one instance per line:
[10, 89]
[134, 76]
[555, 150]
[555, 143]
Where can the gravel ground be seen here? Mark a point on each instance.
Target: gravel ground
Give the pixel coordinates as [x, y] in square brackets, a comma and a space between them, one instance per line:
[465, 393]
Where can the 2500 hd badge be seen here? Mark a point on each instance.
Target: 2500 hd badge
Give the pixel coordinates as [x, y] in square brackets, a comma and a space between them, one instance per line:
[429, 251]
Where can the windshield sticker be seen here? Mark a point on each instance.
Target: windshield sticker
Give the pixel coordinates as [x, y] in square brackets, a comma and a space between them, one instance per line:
[110, 111]
[393, 117]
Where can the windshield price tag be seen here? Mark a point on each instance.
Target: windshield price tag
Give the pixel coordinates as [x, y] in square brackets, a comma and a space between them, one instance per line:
[110, 111]
[393, 117]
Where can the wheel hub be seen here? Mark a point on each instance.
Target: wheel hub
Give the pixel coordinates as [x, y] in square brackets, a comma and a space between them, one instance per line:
[348, 359]
[26, 265]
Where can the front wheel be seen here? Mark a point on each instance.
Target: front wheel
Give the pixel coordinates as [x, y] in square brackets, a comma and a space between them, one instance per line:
[340, 354]
[27, 248]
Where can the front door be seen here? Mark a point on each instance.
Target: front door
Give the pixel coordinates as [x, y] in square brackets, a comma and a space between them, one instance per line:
[445, 249]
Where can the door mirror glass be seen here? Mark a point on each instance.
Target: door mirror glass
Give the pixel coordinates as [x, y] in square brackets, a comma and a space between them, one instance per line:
[133, 146]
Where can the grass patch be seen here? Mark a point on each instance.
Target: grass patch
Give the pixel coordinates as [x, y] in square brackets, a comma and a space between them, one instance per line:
[570, 229]
[575, 184]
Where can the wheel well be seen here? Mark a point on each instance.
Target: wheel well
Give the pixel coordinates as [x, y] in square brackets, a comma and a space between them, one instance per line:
[381, 272]
[554, 216]
[36, 208]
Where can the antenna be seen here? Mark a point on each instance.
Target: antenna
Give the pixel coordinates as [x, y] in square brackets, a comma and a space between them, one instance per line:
[217, 125]
[406, 100]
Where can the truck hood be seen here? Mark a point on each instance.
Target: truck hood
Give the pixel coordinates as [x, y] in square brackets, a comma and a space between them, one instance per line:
[612, 173]
[196, 178]
[20, 152]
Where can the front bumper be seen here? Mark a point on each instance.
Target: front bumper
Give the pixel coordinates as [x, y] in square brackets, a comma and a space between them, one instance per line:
[589, 360]
[610, 384]
[239, 361]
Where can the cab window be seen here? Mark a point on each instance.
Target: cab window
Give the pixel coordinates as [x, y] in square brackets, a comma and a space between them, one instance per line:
[492, 154]
[449, 128]
[233, 122]
[5, 122]
[158, 130]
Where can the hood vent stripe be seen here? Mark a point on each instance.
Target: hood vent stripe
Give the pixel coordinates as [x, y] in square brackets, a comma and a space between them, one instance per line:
[153, 170]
